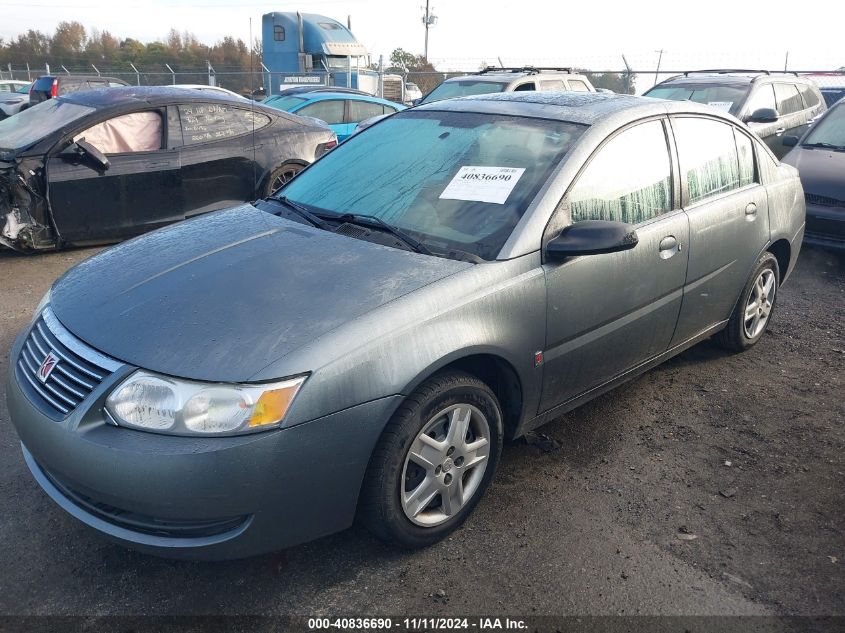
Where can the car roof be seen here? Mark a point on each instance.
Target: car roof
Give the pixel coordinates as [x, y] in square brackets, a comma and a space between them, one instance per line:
[586, 108]
[738, 77]
[324, 96]
[145, 94]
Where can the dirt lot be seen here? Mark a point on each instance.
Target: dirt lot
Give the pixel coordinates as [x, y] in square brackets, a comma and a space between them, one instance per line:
[714, 484]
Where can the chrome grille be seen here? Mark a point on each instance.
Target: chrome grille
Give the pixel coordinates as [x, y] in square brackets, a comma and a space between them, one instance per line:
[823, 201]
[76, 370]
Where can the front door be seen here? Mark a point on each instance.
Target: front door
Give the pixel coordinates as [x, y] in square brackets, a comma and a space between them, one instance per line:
[139, 191]
[608, 313]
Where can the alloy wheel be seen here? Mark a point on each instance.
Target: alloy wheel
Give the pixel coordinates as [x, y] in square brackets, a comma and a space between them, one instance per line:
[445, 465]
[761, 299]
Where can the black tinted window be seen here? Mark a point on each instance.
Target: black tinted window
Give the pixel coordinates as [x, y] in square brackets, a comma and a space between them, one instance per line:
[521, 87]
[628, 180]
[707, 155]
[206, 122]
[789, 100]
[43, 84]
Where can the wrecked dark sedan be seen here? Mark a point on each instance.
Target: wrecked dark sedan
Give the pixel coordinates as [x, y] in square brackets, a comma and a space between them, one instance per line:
[361, 343]
[101, 166]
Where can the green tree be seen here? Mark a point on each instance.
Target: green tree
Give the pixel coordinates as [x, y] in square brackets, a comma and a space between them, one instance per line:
[68, 41]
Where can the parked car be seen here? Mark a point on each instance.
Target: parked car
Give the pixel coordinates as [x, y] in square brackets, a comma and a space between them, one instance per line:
[412, 92]
[362, 342]
[831, 85]
[819, 157]
[12, 85]
[772, 104]
[492, 79]
[101, 166]
[51, 86]
[341, 110]
[12, 102]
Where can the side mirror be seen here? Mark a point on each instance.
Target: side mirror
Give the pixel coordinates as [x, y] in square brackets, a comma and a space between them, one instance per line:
[415, 102]
[592, 237]
[763, 115]
[789, 141]
[92, 154]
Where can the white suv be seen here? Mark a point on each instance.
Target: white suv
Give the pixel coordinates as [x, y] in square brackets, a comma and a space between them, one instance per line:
[493, 79]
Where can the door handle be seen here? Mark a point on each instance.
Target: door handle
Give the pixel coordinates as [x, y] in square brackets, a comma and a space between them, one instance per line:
[668, 246]
[751, 209]
[780, 131]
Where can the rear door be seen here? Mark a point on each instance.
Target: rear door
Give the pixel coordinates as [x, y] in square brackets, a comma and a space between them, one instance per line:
[141, 189]
[358, 110]
[608, 313]
[728, 215]
[332, 111]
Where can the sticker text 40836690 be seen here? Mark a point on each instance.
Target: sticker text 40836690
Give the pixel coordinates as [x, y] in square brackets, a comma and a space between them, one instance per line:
[482, 184]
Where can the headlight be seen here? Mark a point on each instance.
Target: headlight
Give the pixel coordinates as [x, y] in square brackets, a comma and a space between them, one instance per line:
[152, 402]
[42, 304]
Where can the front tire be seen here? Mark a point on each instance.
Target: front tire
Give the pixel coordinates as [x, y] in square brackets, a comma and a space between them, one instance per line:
[753, 311]
[433, 462]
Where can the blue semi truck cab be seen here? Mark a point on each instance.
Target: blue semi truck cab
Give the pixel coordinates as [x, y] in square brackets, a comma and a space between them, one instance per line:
[306, 48]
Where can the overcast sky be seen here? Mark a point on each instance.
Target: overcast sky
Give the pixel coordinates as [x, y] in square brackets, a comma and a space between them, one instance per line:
[594, 33]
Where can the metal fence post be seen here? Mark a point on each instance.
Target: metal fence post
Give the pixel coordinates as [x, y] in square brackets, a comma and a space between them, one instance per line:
[381, 76]
[137, 74]
[172, 72]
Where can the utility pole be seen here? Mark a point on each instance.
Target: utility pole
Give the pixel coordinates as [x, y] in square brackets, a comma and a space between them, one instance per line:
[659, 59]
[429, 20]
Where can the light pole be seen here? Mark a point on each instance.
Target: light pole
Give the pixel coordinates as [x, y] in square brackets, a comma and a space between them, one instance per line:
[429, 20]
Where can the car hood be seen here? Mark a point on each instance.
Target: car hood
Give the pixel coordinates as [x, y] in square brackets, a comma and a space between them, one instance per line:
[821, 171]
[222, 296]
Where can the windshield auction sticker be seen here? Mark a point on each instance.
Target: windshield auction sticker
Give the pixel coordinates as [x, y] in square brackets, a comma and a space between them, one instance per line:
[722, 105]
[482, 184]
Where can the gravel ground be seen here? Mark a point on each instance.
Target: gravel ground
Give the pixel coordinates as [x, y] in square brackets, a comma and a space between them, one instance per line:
[713, 484]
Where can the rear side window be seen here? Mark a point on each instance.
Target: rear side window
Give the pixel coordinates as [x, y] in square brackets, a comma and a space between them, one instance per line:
[43, 84]
[628, 180]
[809, 95]
[360, 110]
[789, 99]
[707, 155]
[552, 84]
[578, 86]
[206, 122]
[329, 111]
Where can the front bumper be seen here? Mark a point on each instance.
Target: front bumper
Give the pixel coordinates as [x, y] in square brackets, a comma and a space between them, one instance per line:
[825, 227]
[202, 498]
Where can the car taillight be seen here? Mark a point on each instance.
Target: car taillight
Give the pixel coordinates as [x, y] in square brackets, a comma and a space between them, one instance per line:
[331, 145]
[322, 148]
[54, 89]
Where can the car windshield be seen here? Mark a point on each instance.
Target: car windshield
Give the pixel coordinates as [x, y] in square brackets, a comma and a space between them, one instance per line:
[719, 95]
[35, 123]
[281, 102]
[24, 89]
[830, 130]
[455, 181]
[453, 89]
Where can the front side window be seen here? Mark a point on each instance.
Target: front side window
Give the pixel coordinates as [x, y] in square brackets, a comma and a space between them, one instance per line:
[707, 155]
[789, 99]
[761, 97]
[453, 180]
[628, 180]
[578, 86]
[330, 111]
[134, 132]
[205, 122]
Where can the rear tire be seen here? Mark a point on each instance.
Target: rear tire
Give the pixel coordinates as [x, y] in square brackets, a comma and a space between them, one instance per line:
[433, 462]
[753, 311]
[281, 176]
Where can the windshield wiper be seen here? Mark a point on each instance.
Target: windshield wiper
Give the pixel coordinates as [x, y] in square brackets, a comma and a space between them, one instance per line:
[837, 148]
[377, 223]
[303, 212]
